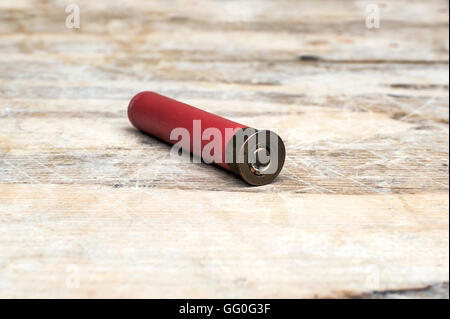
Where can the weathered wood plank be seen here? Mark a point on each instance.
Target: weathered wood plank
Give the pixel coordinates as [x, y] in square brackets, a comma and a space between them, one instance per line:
[138, 242]
[341, 153]
[360, 209]
[410, 30]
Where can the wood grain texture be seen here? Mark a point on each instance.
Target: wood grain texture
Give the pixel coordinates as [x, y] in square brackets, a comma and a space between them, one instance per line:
[359, 210]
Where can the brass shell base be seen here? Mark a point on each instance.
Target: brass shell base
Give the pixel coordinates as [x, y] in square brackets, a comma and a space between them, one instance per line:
[242, 148]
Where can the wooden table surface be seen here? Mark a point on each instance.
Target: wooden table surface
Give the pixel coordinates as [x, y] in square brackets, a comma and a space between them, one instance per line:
[90, 207]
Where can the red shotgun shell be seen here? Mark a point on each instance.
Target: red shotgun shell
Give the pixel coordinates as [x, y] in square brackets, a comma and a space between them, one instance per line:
[257, 156]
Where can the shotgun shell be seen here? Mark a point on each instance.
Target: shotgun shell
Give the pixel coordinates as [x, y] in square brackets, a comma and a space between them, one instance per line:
[257, 156]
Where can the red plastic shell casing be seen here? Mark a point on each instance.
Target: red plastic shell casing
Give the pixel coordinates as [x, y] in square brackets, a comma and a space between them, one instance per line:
[159, 115]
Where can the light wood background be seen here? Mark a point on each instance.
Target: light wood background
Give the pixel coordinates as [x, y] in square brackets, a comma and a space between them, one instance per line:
[89, 207]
